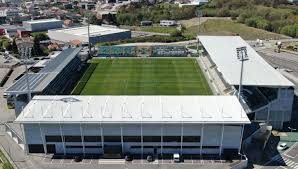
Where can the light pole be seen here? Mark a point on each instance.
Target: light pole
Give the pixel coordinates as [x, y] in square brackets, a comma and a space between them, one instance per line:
[25, 48]
[88, 28]
[241, 56]
[199, 14]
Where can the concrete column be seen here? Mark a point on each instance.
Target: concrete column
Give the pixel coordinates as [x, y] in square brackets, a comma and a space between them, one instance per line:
[42, 139]
[121, 131]
[102, 139]
[62, 139]
[181, 145]
[161, 139]
[82, 139]
[202, 138]
[221, 140]
[142, 143]
[241, 137]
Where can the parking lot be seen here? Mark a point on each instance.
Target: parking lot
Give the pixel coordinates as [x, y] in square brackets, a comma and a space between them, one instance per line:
[58, 161]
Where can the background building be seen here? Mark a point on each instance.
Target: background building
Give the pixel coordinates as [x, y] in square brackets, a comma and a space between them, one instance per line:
[267, 96]
[97, 34]
[117, 125]
[42, 24]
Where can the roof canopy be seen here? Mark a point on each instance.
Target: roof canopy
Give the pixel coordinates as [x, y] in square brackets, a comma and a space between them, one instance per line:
[257, 72]
[39, 81]
[134, 109]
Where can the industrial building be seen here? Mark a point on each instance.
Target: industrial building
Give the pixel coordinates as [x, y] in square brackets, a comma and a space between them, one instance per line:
[54, 78]
[97, 34]
[42, 25]
[266, 95]
[119, 125]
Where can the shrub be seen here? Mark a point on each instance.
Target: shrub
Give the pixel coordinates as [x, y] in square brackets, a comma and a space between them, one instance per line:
[290, 30]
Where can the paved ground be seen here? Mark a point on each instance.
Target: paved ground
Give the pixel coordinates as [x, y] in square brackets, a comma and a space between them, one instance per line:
[288, 65]
[288, 159]
[48, 162]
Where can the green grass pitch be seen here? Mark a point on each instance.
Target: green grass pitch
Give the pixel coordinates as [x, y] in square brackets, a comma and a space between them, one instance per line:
[143, 76]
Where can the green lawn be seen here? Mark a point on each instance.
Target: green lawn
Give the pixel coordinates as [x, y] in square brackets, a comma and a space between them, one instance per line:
[225, 27]
[4, 163]
[143, 76]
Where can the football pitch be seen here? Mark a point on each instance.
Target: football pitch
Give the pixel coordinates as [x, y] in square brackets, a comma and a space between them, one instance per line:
[143, 76]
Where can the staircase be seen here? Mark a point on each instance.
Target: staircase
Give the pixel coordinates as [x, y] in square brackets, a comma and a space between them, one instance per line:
[11, 130]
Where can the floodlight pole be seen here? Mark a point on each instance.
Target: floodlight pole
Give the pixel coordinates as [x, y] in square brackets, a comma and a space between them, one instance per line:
[26, 54]
[199, 14]
[242, 56]
[89, 45]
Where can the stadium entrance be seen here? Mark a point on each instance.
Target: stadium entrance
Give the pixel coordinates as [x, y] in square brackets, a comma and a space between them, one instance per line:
[112, 151]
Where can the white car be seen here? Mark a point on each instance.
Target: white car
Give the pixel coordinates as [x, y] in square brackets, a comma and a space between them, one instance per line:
[282, 146]
[176, 158]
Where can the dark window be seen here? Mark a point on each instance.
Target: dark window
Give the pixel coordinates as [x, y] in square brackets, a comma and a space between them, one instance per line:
[191, 138]
[145, 147]
[73, 139]
[191, 147]
[35, 148]
[74, 146]
[53, 139]
[112, 139]
[131, 139]
[210, 147]
[151, 138]
[92, 138]
[92, 146]
[51, 148]
[171, 147]
[171, 138]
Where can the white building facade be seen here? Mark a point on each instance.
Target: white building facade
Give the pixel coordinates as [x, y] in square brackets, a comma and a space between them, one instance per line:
[157, 125]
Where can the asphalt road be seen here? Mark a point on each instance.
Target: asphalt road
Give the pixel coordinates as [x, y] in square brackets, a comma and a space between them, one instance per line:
[283, 60]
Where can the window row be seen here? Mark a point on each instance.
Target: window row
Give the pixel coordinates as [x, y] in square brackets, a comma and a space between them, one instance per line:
[177, 147]
[125, 139]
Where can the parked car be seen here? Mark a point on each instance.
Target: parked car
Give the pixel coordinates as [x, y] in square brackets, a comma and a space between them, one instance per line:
[176, 158]
[78, 158]
[150, 158]
[282, 146]
[128, 158]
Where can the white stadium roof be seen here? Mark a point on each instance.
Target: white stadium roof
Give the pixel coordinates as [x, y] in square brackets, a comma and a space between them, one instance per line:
[95, 30]
[134, 109]
[43, 21]
[257, 72]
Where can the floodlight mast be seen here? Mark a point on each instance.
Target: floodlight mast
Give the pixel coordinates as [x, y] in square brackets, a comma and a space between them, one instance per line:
[241, 56]
[89, 45]
[25, 48]
[199, 14]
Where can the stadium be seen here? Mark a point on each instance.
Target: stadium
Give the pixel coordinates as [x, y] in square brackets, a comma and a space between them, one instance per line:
[159, 105]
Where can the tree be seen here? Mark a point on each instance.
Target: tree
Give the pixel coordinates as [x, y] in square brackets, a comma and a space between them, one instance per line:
[251, 22]
[290, 30]
[94, 20]
[36, 50]
[40, 36]
[176, 33]
[14, 47]
[7, 45]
